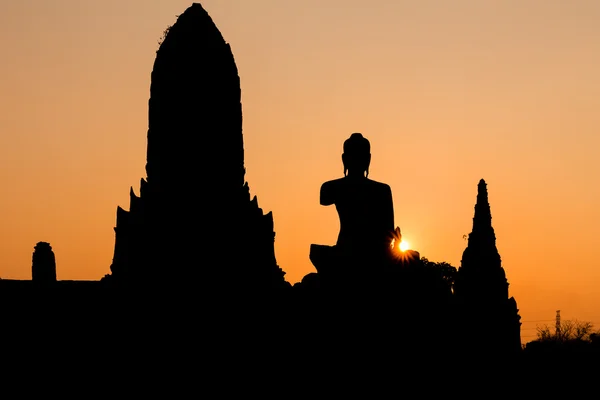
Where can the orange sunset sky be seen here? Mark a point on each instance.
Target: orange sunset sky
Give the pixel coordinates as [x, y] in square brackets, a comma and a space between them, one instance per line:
[448, 92]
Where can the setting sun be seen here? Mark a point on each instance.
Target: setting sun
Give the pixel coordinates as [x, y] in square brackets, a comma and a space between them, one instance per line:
[404, 245]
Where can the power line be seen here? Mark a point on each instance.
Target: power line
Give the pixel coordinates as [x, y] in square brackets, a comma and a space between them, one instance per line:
[540, 320]
[554, 320]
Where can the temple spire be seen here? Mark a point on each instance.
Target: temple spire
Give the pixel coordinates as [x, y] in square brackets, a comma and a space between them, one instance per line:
[483, 215]
[195, 200]
[481, 251]
[482, 234]
[481, 286]
[195, 111]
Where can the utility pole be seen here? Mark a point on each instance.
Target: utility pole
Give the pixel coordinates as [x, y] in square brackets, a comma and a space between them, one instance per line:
[557, 329]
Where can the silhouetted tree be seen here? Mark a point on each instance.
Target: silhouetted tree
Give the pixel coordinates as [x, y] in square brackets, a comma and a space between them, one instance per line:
[446, 270]
[165, 32]
[164, 35]
[570, 340]
[566, 331]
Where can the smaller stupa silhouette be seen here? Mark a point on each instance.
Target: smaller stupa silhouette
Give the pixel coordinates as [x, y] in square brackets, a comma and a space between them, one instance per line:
[43, 267]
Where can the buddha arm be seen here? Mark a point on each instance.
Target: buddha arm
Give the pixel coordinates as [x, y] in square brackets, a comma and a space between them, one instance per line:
[327, 196]
[389, 207]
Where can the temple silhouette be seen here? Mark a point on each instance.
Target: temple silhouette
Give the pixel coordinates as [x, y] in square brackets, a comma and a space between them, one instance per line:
[179, 238]
[195, 200]
[481, 287]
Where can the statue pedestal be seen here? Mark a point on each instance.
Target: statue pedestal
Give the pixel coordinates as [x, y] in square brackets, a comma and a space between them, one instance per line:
[324, 258]
[337, 266]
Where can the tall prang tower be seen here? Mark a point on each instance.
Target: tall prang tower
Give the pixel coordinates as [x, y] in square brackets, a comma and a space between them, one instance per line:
[481, 287]
[194, 222]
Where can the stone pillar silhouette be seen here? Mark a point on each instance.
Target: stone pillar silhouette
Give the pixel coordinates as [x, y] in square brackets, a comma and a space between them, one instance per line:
[43, 267]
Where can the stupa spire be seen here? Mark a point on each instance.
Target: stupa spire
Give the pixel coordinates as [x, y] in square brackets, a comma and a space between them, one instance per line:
[481, 286]
[482, 233]
[481, 251]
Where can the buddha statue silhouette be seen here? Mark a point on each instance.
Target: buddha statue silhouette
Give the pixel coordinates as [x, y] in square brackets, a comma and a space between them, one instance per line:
[366, 215]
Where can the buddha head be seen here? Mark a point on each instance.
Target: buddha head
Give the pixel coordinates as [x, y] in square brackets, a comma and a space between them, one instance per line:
[357, 155]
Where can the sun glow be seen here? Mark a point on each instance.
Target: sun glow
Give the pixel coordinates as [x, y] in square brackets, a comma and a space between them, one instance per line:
[404, 245]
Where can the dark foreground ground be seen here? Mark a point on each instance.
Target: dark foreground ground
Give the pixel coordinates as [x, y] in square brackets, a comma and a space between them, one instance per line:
[84, 335]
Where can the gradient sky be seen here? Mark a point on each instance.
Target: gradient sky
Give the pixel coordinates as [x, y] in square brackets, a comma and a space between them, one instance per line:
[448, 92]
